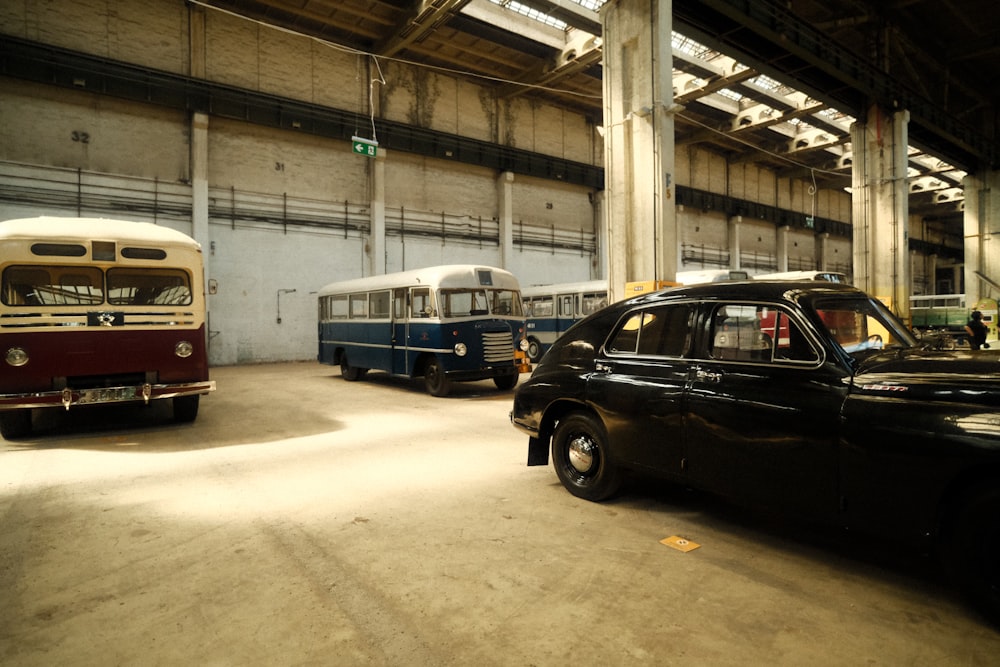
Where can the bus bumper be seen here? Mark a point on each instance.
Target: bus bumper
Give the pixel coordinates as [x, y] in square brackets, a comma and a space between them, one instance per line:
[521, 361]
[101, 395]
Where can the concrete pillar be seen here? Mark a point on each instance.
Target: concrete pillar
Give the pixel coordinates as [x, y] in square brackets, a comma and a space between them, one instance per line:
[735, 251]
[377, 238]
[197, 39]
[199, 185]
[599, 268]
[930, 273]
[641, 221]
[782, 247]
[505, 210]
[199, 138]
[199, 202]
[823, 251]
[199, 159]
[880, 207]
[982, 247]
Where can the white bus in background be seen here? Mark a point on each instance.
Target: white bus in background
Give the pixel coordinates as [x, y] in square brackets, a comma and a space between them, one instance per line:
[829, 276]
[552, 309]
[710, 276]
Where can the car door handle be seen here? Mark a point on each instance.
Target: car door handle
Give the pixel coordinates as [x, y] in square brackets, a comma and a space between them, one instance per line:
[708, 376]
[602, 368]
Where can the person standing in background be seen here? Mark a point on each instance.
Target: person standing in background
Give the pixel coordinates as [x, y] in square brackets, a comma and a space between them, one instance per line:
[976, 330]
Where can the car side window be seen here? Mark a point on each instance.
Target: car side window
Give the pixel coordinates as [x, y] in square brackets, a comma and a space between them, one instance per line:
[790, 344]
[758, 333]
[663, 331]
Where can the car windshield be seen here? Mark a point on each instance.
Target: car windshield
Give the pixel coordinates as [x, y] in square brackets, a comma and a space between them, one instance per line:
[861, 326]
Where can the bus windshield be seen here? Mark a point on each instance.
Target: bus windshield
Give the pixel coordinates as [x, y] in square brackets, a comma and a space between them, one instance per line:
[469, 302]
[34, 285]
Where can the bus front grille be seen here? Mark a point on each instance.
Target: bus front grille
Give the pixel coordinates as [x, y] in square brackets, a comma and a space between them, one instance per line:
[498, 346]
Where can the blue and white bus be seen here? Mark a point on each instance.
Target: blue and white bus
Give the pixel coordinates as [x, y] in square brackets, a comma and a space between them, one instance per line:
[445, 323]
[552, 309]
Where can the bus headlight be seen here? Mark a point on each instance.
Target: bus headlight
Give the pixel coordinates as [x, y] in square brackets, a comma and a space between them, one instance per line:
[461, 350]
[16, 356]
[524, 345]
[183, 349]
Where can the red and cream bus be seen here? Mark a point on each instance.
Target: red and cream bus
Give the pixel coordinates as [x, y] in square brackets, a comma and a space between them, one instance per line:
[96, 311]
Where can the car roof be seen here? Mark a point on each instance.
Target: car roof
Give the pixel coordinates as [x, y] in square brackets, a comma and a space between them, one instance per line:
[769, 290]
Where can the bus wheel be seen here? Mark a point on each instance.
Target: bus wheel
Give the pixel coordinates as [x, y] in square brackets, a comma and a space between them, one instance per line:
[350, 373]
[186, 408]
[505, 382]
[15, 423]
[436, 382]
[534, 350]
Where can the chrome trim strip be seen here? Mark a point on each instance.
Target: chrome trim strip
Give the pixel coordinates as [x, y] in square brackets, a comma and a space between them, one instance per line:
[69, 397]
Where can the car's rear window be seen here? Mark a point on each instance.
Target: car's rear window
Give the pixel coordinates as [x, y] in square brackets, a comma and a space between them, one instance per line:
[663, 331]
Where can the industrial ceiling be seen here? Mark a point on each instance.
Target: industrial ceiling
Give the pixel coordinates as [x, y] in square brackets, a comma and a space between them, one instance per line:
[773, 83]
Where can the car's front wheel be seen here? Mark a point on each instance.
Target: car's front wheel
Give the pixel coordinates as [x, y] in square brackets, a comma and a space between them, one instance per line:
[973, 550]
[581, 458]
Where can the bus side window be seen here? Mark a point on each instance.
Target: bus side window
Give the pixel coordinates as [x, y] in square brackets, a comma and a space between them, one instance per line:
[399, 303]
[338, 307]
[379, 305]
[359, 306]
[566, 305]
[542, 307]
[420, 302]
[593, 303]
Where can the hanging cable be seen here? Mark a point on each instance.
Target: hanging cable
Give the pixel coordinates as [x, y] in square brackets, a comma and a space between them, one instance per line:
[371, 95]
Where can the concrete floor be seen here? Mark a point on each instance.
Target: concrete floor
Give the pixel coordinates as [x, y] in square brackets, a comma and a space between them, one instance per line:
[305, 520]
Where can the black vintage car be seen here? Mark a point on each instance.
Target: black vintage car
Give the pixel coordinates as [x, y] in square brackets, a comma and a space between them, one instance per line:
[810, 398]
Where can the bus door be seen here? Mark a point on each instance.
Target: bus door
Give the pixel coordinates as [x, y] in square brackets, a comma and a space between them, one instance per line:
[417, 327]
[566, 316]
[400, 322]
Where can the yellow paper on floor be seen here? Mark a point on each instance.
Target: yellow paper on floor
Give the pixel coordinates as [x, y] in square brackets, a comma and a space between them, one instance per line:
[679, 543]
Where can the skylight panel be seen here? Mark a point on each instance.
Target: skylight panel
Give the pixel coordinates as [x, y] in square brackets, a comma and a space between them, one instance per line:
[690, 47]
[534, 14]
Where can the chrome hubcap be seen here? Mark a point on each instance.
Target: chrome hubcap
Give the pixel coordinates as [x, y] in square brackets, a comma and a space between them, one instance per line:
[581, 453]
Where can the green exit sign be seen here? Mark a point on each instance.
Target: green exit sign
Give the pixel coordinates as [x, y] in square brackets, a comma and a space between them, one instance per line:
[363, 146]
